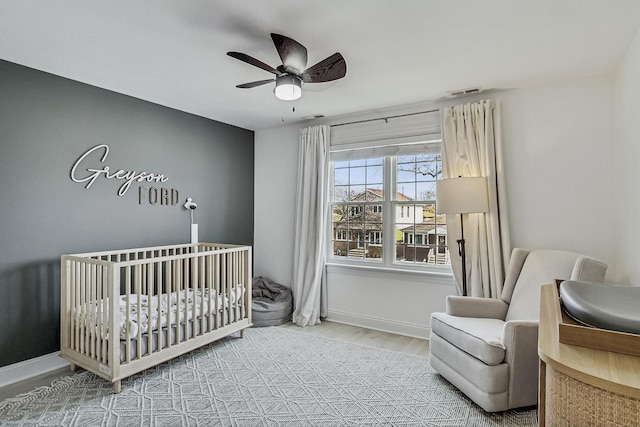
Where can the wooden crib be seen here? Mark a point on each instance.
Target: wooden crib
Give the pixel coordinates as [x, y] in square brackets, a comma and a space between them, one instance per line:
[169, 300]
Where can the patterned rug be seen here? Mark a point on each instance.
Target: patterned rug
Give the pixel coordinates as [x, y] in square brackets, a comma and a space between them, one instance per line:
[273, 377]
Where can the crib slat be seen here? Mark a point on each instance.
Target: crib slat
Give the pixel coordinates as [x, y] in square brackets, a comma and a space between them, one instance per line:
[74, 305]
[92, 305]
[227, 291]
[127, 320]
[186, 299]
[103, 297]
[234, 285]
[113, 293]
[138, 291]
[148, 280]
[178, 307]
[212, 293]
[159, 312]
[85, 298]
[170, 290]
[219, 291]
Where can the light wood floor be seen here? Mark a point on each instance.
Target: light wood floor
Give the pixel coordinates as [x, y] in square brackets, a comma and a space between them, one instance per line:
[357, 335]
[326, 329]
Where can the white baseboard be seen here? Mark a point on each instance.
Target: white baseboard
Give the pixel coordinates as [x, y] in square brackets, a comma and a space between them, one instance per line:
[31, 368]
[379, 324]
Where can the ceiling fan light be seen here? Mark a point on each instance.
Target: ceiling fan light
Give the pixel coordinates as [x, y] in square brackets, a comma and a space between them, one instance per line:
[288, 88]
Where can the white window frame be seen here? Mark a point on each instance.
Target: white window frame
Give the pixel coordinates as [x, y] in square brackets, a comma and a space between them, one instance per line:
[388, 262]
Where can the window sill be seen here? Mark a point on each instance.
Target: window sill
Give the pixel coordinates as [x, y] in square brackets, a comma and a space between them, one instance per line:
[442, 273]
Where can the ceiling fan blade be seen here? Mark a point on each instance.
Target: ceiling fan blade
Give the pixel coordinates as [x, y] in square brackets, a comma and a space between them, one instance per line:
[331, 68]
[254, 84]
[292, 53]
[253, 61]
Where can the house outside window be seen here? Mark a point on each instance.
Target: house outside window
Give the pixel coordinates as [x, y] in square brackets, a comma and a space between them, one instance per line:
[385, 207]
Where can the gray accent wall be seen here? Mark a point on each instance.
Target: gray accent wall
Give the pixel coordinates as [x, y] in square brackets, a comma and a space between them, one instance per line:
[46, 124]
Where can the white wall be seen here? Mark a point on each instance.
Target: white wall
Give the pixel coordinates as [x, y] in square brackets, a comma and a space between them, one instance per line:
[276, 172]
[558, 163]
[626, 160]
[387, 301]
[558, 142]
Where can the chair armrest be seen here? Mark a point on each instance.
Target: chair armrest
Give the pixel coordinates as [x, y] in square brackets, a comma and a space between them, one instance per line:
[520, 339]
[476, 307]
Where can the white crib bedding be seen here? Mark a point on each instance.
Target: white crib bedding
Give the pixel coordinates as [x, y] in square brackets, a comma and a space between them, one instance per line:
[148, 313]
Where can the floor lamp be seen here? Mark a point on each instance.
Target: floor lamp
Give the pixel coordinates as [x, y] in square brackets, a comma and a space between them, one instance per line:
[461, 196]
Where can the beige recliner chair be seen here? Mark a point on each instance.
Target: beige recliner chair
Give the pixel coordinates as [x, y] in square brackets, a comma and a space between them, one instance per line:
[488, 348]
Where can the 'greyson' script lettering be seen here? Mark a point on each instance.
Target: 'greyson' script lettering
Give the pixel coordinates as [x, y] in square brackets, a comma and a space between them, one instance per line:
[127, 176]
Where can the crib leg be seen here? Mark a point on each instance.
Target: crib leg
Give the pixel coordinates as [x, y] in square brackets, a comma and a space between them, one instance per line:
[117, 387]
[73, 367]
[241, 333]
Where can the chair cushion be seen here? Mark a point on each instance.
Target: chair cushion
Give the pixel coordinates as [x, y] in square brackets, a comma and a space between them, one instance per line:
[480, 337]
[541, 267]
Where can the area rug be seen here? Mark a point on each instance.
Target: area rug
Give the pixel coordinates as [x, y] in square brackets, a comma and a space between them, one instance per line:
[273, 377]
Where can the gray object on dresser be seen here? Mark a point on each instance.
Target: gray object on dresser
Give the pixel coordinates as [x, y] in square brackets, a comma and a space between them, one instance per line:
[615, 308]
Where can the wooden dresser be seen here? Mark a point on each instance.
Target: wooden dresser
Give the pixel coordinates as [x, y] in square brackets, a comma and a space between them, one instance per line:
[580, 386]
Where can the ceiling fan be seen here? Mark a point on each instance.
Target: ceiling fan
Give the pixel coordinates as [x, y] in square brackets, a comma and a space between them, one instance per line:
[291, 75]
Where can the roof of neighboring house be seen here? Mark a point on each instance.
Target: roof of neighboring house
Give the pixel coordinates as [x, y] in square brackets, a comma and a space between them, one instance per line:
[378, 193]
[427, 228]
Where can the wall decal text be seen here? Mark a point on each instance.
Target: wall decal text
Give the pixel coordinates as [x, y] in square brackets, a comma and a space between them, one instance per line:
[163, 196]
[127, 176]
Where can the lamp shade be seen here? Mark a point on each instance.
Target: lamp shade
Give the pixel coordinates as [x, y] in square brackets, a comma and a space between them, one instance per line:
[462, 195]
[288, 87]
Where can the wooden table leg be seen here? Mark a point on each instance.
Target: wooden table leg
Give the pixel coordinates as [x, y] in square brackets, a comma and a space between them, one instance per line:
[542, 383]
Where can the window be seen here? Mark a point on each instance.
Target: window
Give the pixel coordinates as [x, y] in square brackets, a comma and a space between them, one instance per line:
[383, 210]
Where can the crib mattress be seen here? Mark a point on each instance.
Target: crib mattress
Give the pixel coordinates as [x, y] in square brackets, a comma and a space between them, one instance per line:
[177, 335]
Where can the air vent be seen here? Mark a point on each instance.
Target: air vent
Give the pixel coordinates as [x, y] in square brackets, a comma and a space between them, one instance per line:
[461, 92]
[314, 116]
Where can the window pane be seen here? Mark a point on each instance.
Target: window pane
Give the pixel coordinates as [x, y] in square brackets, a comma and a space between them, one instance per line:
[406, 191]
[374, 175]
[429, 211]
[341, 193]
[342, 164]
[372, 214]
[406, 174]
[374, 193]
[373, 252]
[426, 191]
[338, 213]
[357, 175]
[426, 171]
[357, 193]
[341, 176]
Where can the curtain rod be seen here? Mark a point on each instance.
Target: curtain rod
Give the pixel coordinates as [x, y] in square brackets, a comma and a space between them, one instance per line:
[385, 118]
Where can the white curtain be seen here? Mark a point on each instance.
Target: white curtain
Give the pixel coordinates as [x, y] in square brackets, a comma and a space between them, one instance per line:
[473, 147]
[309, 293]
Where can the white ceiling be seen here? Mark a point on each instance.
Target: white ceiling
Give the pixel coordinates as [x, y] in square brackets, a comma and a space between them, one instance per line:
[173, 52]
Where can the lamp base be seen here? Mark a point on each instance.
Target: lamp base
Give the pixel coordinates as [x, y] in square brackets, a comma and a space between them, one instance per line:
[463, 260]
